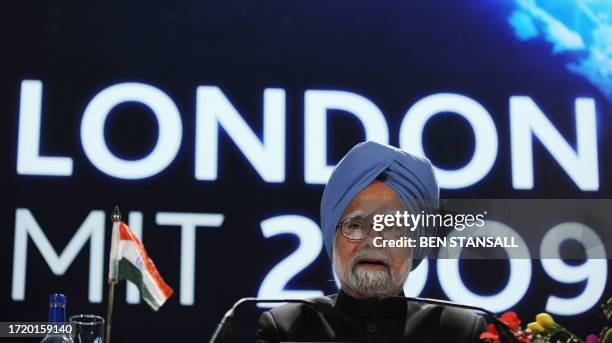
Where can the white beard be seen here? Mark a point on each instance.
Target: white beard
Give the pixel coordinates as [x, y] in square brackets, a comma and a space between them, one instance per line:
[366, 282]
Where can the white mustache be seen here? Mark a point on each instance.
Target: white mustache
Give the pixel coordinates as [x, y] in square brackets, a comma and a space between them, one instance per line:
[370, 254]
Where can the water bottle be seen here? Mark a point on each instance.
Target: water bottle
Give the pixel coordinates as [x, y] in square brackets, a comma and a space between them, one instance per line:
[57, 315]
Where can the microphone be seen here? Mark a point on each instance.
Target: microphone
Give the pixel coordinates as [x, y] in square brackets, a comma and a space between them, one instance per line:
[223, 330]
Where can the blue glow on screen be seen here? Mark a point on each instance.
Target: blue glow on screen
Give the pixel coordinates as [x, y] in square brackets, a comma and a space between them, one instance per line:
[581, 30]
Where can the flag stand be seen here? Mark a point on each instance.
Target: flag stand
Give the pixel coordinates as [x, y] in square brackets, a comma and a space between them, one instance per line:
[115, 217]
[109, 311]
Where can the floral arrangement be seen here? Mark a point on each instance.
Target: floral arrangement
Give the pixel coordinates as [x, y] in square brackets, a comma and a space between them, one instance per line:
[545, 330]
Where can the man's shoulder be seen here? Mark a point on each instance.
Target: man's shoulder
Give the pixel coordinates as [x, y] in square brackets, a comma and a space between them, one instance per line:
[294, 320]
[317, 304]
[443, 310]
[453, 321]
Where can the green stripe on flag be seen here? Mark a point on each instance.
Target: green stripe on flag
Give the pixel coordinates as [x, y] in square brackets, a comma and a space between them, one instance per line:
[129, 272]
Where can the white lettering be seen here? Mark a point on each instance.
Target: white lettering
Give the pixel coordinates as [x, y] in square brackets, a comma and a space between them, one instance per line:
[168, 141]
[214, 110]
[188, 223]
[581, 165]
[316, 104]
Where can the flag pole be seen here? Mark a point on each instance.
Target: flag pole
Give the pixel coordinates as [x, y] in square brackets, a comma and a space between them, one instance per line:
[112, 282]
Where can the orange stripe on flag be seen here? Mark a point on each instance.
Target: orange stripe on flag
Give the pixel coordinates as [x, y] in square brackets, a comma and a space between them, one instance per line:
[125, 234]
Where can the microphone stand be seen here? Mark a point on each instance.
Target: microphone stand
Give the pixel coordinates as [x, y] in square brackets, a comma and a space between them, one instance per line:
[223, 330]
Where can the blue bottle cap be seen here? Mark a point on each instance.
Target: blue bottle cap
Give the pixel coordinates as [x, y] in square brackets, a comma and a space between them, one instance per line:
[57, 298]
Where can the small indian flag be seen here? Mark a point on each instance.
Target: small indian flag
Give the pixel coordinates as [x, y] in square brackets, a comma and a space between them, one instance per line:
[129, 260]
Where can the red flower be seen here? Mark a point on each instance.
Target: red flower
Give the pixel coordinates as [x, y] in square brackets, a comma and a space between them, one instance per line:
[513, 322]
[491, 334]
[511, 319]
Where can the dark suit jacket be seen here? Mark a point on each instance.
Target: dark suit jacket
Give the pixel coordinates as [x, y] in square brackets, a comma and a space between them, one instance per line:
[351, 320]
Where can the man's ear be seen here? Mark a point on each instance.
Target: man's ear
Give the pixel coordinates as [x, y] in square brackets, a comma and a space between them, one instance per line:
[336, 239]
[335, 244]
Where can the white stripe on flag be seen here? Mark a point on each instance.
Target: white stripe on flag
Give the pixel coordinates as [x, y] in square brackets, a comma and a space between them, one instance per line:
[115, 253]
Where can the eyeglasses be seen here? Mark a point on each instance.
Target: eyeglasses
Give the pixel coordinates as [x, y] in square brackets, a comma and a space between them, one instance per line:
[357, 228]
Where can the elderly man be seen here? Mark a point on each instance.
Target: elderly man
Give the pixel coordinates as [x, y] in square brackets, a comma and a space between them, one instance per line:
[371, 179]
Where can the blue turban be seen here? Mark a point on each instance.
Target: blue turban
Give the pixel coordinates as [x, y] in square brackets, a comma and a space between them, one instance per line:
[411, 177]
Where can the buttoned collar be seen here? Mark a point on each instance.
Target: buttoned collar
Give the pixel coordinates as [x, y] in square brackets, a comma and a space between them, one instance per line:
[372, 307]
